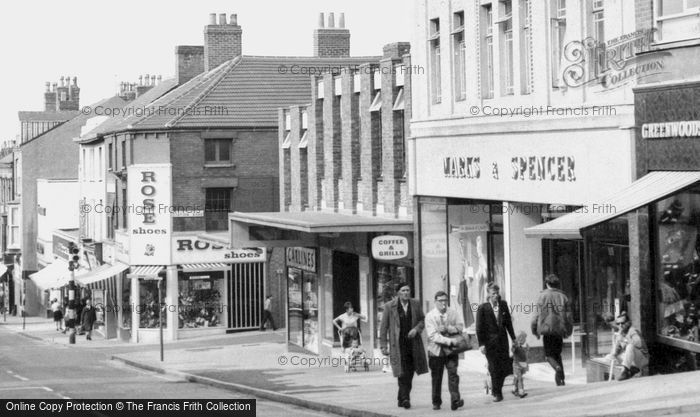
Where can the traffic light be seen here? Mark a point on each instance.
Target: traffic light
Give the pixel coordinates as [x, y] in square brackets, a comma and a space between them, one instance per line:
[73, 256]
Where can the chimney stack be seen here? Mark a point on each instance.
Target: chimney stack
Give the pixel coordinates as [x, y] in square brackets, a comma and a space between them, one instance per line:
[321, 22]
[332, 42]
[50, 98]
[63, 95]
[189, 62]
[222, 42]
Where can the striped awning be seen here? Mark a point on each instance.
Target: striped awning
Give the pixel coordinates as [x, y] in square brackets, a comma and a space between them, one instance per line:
[145, 271]
[205, 266]
[101, 273]
[54, 275]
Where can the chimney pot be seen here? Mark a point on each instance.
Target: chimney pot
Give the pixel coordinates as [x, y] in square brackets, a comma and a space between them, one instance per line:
[222, 18]
[331, 20]
[160, 78]
[62, 81]
[48, 87]
[140, 79]
[153, 80]
[75, 81]
[321, 22]
[212, 18]
[234, 20]
[53, 86]
[341, 21]
[147, 78]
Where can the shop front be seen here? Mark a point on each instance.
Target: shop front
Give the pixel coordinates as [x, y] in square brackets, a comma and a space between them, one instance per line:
[477, 194]
[328, 262]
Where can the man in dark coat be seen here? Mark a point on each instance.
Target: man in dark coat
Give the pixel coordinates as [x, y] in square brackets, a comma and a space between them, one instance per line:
[493, 325]
[402, 324]
[88, 318]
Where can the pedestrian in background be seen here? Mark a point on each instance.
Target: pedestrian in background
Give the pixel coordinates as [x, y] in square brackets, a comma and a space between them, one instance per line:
[401, 327]
[57, 314]
[88, 318]
[493, 326]
[267, 314]
[553, 320]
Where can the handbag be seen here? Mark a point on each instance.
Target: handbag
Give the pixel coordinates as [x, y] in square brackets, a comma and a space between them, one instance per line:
[460, 344]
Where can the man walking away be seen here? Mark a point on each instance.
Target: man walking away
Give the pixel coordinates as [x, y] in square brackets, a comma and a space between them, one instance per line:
[267, 314]
[440, 323]
[553, 321]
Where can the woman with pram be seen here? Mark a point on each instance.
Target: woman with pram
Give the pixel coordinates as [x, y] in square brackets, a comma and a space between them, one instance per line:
[349, 325]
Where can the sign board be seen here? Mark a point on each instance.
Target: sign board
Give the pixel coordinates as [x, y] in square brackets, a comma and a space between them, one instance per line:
[188, 249]
[388, 247]
[150, 223]
[302, 258]
[683, 129]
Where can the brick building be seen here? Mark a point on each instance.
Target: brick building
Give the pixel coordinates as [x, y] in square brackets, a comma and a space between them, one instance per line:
[343, 190]
[210, 145]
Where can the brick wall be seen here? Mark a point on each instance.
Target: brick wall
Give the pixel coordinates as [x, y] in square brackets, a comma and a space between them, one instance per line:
[222, 42]
[643, 13]
[315, 149]
[332, 42]
[189, 62]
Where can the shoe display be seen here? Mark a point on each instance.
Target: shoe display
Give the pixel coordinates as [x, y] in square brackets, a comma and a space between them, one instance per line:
[458, 404]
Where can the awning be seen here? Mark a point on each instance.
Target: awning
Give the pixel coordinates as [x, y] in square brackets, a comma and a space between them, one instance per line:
[145, 271]
[102, 272]
[54, 275]
[3, 269]
[646, 190]
[323, 222]
[205, 266]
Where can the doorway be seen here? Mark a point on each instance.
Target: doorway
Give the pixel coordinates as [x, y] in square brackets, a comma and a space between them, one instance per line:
[346, 284]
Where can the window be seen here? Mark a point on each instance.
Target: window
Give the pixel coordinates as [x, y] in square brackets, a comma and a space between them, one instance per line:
[506, 27]
[598, 21]
[677, 19]
[459, 57]
[217, 151]
[558, 32]
[287, 142]
[216, 207]
[109, 157]
[434, 40]
[91, 167]
[83, 165]
[123, 153]
[100, 170]
[125, 224]
[304, 140]
[487, 52]
[525, 47]
[401, 133]
[14, 227]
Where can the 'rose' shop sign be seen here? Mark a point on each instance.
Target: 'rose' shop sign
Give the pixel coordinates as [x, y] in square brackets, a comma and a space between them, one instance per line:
[149, 191]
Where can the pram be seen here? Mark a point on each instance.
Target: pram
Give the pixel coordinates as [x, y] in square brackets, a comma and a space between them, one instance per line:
[354, 355]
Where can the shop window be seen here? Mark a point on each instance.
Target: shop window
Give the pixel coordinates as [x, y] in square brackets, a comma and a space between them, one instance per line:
[564, 258]
[607, 282]
[433, 247]
[386, 276]
[678, 268]
[148, 304]
[200, 297]
[302, 304]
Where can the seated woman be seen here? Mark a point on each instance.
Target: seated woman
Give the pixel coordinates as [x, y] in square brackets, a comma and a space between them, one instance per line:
[348, 325]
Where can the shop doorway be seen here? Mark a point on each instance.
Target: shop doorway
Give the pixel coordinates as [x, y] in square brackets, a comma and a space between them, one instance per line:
[346, 284]
[564, 258]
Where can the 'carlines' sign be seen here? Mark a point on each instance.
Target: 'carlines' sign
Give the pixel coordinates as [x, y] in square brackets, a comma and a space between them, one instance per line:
[389, 247]
[302, 258]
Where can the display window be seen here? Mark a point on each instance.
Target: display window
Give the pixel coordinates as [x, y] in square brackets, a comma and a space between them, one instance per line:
[677, 223]
[200, 297]
[386, 276]
[302, 301]
[608, 284]
[148, 304]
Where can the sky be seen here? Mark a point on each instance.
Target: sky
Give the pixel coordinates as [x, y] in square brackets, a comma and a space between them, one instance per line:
[103, 43]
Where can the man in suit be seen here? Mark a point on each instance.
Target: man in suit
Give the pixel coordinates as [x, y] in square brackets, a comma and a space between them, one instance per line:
[402, 324]
[493, 325]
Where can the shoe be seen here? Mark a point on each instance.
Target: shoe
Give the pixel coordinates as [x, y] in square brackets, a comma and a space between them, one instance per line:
[559, 377]
[523, 395]
[89, 338]
[406, 404]
[624, 375]
[456, 405]
[436, 406]
[497, 398]
[634, 371]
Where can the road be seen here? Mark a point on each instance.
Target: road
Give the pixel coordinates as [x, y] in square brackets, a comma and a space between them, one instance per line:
[31, 369]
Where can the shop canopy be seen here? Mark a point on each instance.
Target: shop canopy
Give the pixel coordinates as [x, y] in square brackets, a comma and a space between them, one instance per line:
[279, 229]
[652, 187]
[101, 273]
[3, 269]
[55, 275]
[205, 266]
[145, 271]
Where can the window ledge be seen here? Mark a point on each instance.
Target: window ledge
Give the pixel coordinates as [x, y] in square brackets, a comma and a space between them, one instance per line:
[215, 165]
[695, 11]
[678, 43]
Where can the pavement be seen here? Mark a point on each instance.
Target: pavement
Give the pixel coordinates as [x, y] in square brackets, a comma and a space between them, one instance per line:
[262, 364]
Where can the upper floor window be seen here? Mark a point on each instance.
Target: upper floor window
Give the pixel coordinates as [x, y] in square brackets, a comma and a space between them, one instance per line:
[217, 151]
[287, 141]
[109, 156]
[123, 153]
[558, 34]
[506, 27]
[435, 78]
[15, 222]
[459, 56]
[525, 47]
[598, 20]
[677, 19]
[487, 51]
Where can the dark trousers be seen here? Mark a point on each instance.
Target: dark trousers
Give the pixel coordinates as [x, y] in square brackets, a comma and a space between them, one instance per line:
[499, 372]
[406, 378]
[553, 346]
[437, 365]
[267, 315]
